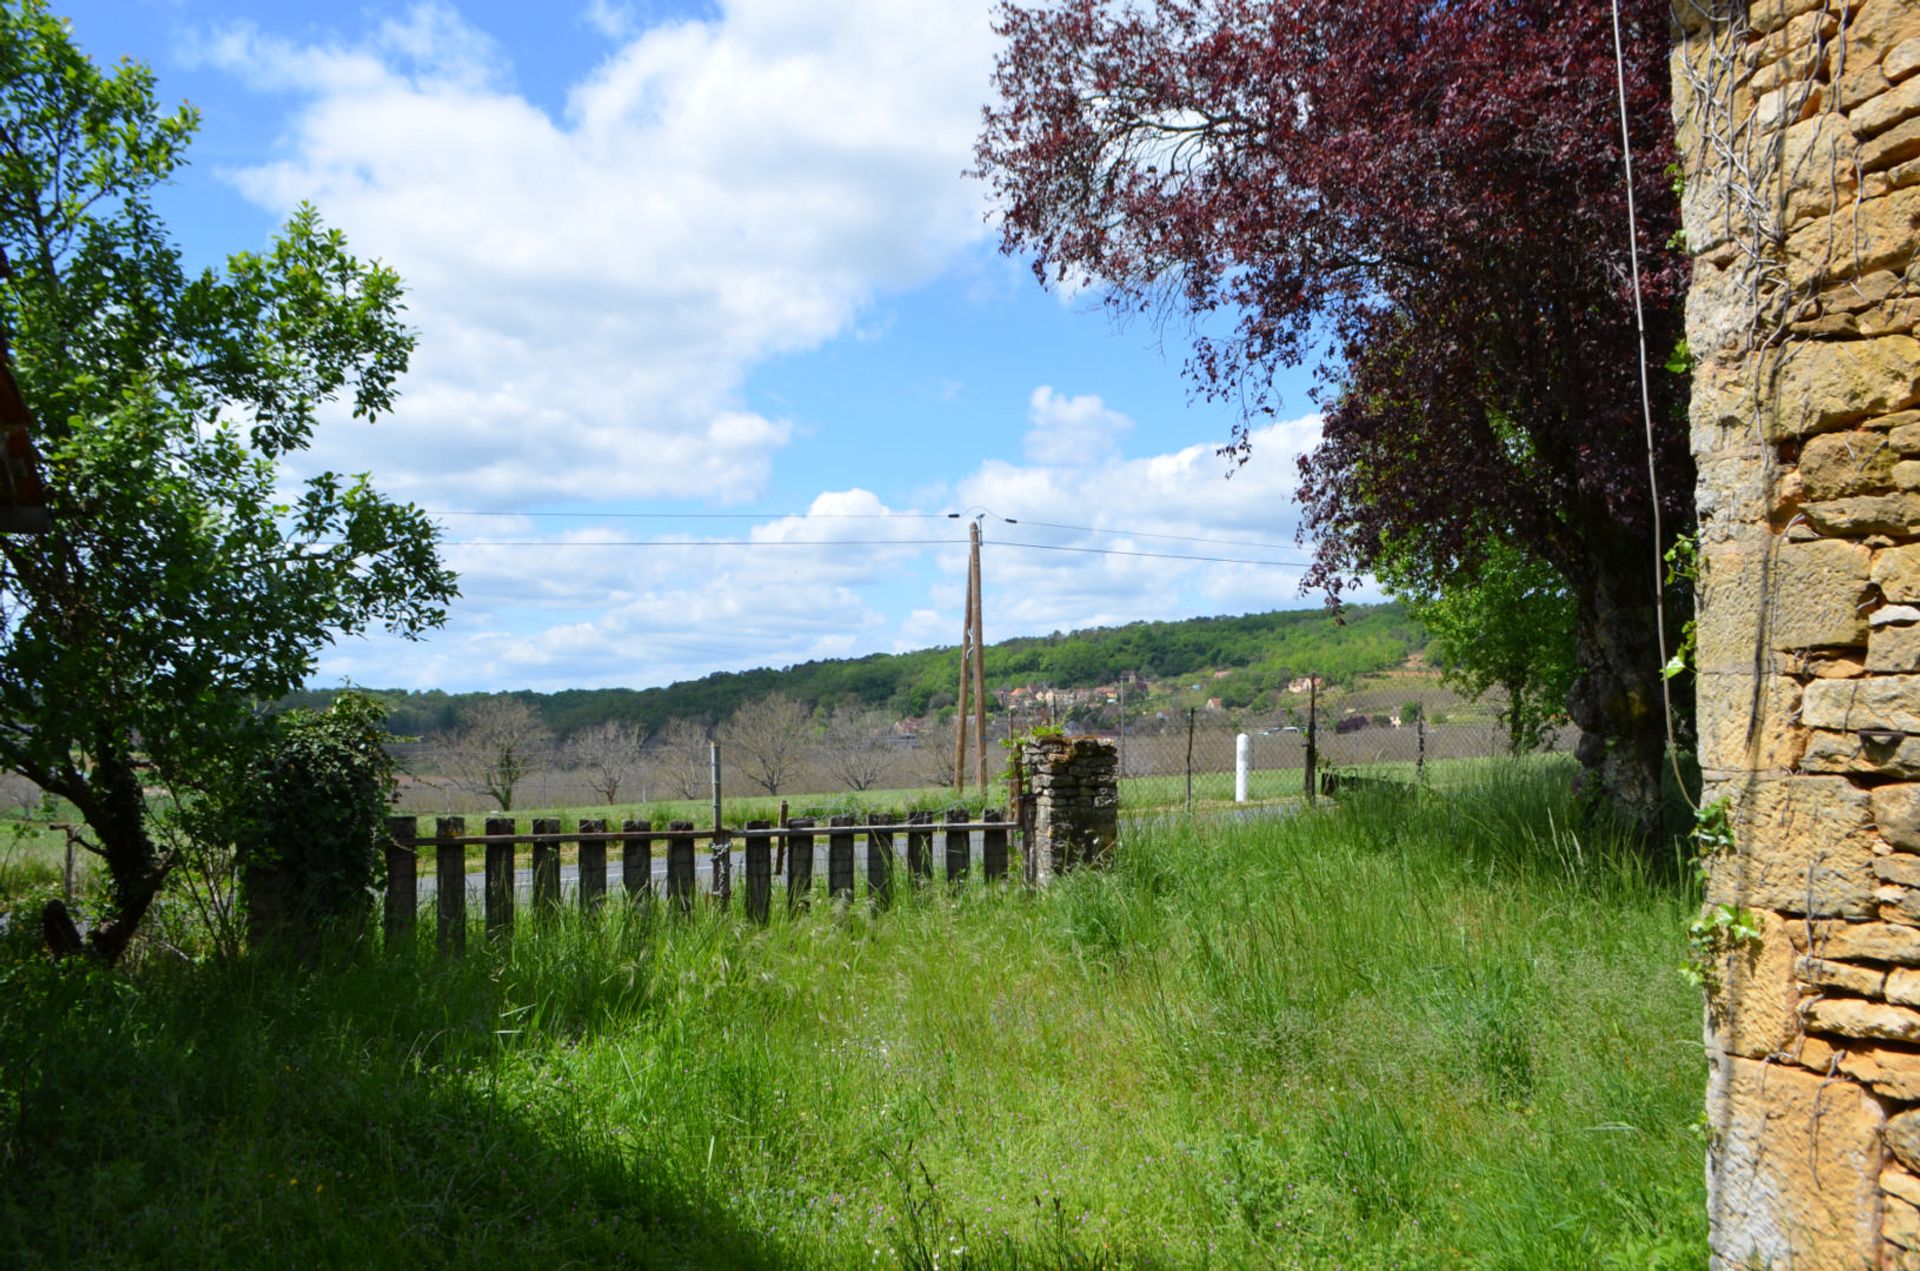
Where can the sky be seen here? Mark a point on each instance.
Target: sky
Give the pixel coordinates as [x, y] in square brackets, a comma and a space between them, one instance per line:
[688, 272]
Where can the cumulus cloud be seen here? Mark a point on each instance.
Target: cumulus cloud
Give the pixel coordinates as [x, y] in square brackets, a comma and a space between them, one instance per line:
[591, 289]
[1071, 430]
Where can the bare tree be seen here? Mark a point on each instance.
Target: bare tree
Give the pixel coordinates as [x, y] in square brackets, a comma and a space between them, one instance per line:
[766, 738]
[679, 754]
[499, 744]
[609, 755]
[933, 752]
[858, 746]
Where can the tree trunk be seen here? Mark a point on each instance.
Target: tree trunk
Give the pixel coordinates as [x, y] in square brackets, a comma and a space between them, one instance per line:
[1617, 700]
[114, 806]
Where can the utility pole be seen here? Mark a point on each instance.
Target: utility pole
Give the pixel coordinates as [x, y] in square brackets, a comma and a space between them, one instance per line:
[979, 662]
[973, 676]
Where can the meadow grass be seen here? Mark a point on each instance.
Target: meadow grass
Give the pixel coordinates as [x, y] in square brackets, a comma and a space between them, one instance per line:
[1415, 1030]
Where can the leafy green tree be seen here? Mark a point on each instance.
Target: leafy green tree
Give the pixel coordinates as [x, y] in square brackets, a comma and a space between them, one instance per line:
[187, 578]
[1507, 625]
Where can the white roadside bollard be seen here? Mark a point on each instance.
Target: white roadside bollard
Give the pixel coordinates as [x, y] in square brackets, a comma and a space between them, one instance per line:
[1242, 749]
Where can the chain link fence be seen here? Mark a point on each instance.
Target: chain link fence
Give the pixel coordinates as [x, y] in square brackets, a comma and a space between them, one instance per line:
[1167, 758]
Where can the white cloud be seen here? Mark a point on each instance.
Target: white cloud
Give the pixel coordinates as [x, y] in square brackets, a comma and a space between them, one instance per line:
[838, 581]
[592, 289]
[1071, 430]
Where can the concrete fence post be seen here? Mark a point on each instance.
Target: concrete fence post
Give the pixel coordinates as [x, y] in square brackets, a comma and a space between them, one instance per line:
[1242, 759]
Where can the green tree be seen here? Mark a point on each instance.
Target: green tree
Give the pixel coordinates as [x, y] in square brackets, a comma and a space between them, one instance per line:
[187, 579]
[1508, 624]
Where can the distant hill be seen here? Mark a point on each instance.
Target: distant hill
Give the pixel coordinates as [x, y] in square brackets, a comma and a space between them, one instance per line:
[1265, 650]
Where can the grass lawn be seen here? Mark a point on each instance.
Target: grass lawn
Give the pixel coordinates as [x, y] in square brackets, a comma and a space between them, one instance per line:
[1413, 1031]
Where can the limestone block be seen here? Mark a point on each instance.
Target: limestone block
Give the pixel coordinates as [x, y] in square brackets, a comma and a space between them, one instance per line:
[1866, 514]
[1860, 941]
[1757, 1009]
[1859, 84]
[1906, 474]
[1903, 431]
[1771, 17]
[1895, 1181]
[1886, 110]
[1739, 484]
[1902, 60]
[1879, 702]
[1896, 811]
[1900, 1221]
[1895, 317]
[1838, 464]
[1856, 294]
[1816, 595]
[1829, 664]
[1747, 722]
[1871, 1021]
[1889, 150]
[1807, 847]
[1899, 904]
[1846, 977]
[1898, 867]
[1894, 648]
[1901, 987]
[1896, 572]
[1819, 158]
[1877, 27]
[1892, 1072]
[1848, 753]
[1857, 239]
[1903, 1137]
[1794, 1180]
[1827, 385]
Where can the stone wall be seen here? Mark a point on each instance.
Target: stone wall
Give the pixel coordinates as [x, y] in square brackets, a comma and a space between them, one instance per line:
[1075, 804]
[1800, 129]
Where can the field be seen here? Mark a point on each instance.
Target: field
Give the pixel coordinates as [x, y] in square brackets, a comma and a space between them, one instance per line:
[1432, 1030]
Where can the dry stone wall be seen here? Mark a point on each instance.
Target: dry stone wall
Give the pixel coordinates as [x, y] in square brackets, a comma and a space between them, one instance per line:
[1075, 796]
[1799, 121]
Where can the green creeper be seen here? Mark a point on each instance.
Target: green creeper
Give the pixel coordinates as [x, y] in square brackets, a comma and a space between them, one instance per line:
[187, 579]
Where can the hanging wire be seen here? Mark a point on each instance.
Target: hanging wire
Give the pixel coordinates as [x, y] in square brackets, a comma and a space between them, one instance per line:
[1646, 401]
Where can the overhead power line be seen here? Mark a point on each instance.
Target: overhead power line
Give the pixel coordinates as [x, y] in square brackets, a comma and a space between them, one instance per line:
[1112, 531]
[862, 542]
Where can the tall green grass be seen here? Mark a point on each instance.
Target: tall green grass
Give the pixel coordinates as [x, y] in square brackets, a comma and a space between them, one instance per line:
[1415, 1030]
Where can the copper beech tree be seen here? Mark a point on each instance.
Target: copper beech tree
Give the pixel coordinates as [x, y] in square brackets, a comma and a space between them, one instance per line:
[1425, 199]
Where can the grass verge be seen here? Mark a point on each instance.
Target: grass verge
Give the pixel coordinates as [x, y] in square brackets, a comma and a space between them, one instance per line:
[1416, 1030]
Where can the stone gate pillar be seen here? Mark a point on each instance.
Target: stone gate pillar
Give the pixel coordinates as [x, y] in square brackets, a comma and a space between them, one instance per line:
[1076, 803]
[1799, 126]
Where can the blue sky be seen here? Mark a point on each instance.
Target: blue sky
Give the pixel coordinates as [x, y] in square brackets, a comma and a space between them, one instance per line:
[709, 271]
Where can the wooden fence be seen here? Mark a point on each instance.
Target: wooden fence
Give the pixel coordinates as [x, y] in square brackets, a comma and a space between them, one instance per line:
[680, 840]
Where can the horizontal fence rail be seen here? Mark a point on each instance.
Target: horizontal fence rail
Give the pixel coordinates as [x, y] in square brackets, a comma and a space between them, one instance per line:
[892, 841]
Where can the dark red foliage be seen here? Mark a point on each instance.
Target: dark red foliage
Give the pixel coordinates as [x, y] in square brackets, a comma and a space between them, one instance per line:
[1429, 193]
[1426, 198]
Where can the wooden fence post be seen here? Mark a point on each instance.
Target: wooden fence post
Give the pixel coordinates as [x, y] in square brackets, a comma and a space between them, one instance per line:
[799, 864]
[759, 853]
[500, 880]
[919, 847]
[880, 859]
[680, 864]
[840, 857]
[403, 877]
[993, 848]
[959, 847]
[593, 866]
[546, 865]
[636, 859]
[450, 883]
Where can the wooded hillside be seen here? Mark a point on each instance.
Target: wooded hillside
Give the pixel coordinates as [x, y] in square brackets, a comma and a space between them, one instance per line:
[1273, 647]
